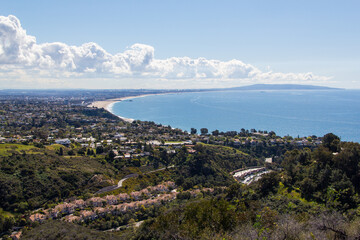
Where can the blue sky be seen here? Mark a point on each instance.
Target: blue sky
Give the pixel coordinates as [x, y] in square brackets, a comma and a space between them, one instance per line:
[271, 41]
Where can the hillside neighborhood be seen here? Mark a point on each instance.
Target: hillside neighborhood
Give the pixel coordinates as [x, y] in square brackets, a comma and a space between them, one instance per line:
[82, 165]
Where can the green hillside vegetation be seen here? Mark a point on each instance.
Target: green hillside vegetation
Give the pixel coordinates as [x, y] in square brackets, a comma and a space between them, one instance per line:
[328, 175]
[27, 181]
[144, 180]
[56, 148]
[53, 230]
[243, 217]
[210, 166]
[9, 149]
[7, 220]
[310, 191]
[314, 196]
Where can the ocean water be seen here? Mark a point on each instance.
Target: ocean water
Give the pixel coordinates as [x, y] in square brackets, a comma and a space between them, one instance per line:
[294, 113]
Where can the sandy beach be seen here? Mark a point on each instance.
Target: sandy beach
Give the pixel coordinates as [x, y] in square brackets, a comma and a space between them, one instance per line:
[107, 104]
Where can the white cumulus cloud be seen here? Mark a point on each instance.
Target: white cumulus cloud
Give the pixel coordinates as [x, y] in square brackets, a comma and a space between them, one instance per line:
[21, 54]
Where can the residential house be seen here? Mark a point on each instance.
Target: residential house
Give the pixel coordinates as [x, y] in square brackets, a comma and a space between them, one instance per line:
[145, 193]
[87, 215]
[136, 195]
[71, 218]
[65, 208]
[123, 196]
[111, 199]
[131, 205]
[38, 217]
[170, 184]
[65, 141]
[100, 211]
[95, 201]
[121, 208]
[16, 235]
[52, 213]
[79, 203]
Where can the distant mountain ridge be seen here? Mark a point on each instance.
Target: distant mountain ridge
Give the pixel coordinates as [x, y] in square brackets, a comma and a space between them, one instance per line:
[154, 91]
[282, 87]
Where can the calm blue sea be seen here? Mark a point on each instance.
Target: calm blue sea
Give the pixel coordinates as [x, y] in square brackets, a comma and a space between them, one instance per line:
[294, 113]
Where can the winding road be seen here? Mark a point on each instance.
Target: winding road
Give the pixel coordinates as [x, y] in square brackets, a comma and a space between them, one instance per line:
[119, 185]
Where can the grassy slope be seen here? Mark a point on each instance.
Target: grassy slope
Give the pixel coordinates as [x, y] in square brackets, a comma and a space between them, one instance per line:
[8, 148]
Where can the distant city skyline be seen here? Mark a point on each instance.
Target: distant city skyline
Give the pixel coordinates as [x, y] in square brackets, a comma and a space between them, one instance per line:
[187, 44]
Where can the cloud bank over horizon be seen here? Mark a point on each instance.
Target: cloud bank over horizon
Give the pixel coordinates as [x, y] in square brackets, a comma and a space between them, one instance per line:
[56, 64]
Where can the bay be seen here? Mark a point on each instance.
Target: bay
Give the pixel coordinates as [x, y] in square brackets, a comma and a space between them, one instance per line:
[295, 113]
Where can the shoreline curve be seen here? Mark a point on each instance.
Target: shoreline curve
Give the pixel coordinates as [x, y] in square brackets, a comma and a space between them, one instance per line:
[108, 104]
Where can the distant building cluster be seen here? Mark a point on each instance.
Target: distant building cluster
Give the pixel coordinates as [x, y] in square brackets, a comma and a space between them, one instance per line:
[95, 207]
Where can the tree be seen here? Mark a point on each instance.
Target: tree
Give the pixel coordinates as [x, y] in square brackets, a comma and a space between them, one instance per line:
[331, 141]
[99, 149]
[193, 131]
[6, 222]
[272, 134]
[215, 133]
[268, 183]
[234, 191]
[110, 156]
[204, 131]
[147, 148]
[164, 157]
[60, 152]
[90, 152]
[348, 161]
[82, 151]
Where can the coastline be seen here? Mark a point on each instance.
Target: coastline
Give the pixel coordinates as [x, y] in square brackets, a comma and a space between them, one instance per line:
[108, 104]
